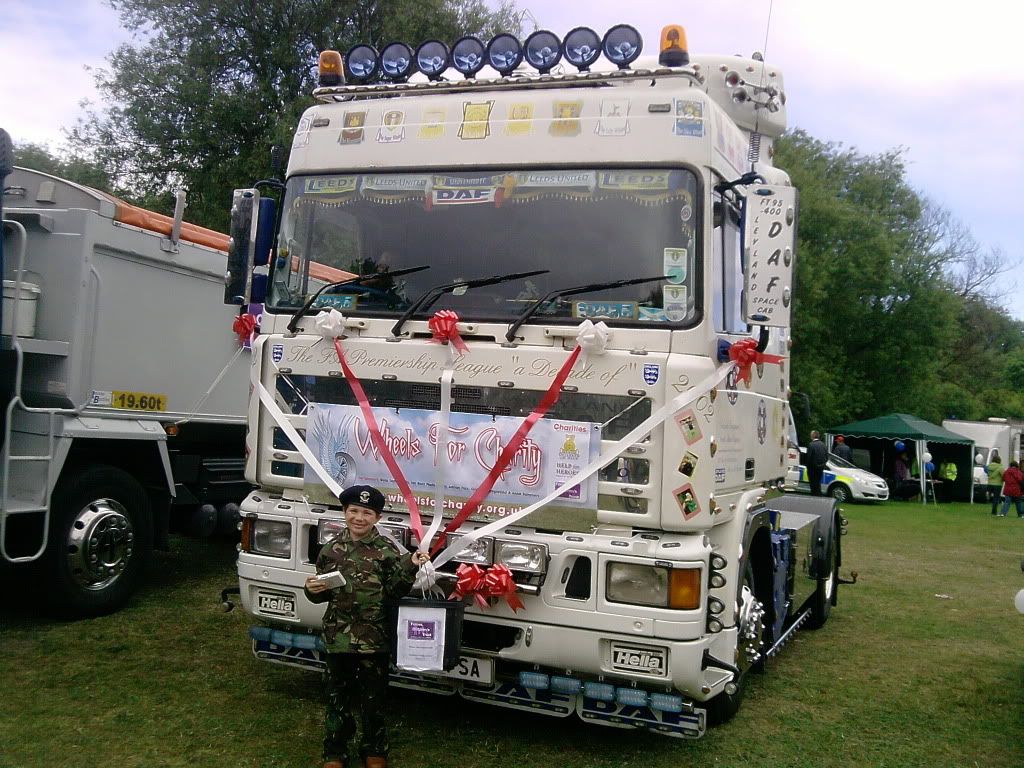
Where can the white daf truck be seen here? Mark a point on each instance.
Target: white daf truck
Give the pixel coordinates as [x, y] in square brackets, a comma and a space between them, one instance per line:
[122, 386]
[534, 204]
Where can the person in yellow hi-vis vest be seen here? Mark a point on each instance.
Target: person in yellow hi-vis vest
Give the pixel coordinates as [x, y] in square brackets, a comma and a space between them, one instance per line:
[947, 474]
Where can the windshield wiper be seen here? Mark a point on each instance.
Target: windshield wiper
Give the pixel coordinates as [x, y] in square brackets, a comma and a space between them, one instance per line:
[427, 299]
[294, 322]
[531, 310]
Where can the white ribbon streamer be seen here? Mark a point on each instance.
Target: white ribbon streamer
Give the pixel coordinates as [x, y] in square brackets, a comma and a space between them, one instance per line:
[440, 469]
[613, 452]
[330, 325]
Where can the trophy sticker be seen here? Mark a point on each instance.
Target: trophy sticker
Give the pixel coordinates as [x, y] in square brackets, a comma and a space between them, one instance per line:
[614, 119]
[520, 119]
[392, 127]
[566, 118]
[432, 126]
[675, 265]
[687, 501]
[689, 464]
[476, 120]
[687, 423]
[352, 128]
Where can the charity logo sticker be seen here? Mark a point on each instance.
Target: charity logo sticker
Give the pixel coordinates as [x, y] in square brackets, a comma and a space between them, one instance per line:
[614, 119]
[687, 423]
[392, 127]
[675, 265]
[687, 501]
[762, 422]
[566, 118]
[352, 128]
[277, 352]
[674, 300]
[652, 371]
[689, 464]
[689, 118]
[519, 121]
[476, 120]
[432, 126]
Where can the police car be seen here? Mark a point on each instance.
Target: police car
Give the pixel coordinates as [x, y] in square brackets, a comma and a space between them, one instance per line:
[841, 480]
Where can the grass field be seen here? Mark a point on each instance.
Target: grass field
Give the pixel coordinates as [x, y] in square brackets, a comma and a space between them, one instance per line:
[921, 664]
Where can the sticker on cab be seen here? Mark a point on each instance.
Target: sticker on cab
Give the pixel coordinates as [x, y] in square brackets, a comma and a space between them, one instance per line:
[138, 401]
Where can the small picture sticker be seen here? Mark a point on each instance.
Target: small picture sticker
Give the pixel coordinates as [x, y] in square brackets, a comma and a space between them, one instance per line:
[432, 126]
[689, 464]
[566, 118]
[675, 302]
[687, 501]
[520, 119]
[476, 120]
[689, 118]
[353, 126]
[687, 423]
[614, 119]
[392, 127]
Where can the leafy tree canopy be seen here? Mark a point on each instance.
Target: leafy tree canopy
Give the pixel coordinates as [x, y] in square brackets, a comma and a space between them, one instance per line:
[213, 84]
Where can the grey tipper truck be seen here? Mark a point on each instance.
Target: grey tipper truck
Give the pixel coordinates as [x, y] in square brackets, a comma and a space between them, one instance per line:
[116, 423]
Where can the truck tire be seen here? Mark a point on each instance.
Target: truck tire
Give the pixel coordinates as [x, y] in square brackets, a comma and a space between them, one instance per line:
[752, 642]
[825, 592]
[101, 536]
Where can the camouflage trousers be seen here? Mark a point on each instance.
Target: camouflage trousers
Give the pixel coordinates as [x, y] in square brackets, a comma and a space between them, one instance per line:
[357, 683]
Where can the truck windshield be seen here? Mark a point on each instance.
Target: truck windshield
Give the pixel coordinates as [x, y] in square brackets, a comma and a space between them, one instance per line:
[585, 226]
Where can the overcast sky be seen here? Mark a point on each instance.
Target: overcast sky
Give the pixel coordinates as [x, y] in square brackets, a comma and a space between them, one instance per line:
[937, 78]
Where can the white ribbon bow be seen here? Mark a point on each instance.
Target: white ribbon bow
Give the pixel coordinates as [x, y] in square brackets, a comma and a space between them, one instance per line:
[330, 325]
[426, 577]
[593, 338]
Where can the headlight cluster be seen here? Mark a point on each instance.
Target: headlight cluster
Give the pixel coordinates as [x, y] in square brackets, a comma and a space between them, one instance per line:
[327, 529]
[271, 537]
[654, 585]
[517, 555]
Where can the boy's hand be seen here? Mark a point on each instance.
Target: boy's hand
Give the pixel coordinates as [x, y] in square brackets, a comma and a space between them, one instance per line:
[315, 586]
[419, 558]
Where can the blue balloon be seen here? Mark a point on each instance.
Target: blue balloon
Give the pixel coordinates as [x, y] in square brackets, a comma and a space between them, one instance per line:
[930, 466]
[900, 447]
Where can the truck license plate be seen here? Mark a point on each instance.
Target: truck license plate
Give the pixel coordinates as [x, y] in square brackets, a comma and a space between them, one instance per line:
[275, 604]
[473, 669]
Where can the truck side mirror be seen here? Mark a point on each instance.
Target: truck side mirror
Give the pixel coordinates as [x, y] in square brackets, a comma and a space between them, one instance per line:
[238, 278]
[769, 248]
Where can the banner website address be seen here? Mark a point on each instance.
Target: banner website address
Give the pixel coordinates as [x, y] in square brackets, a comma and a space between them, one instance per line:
[426, 503]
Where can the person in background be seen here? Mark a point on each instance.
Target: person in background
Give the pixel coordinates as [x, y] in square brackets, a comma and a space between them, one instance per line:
[994, 472]
[904, 486]
[1013, 482]
[947, 474]
[817, 458]
[842, 450]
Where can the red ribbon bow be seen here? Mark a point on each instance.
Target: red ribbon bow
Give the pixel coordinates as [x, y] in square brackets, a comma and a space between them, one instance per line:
[744, 353]
[444, 326]
[496, 581]
[244, 326]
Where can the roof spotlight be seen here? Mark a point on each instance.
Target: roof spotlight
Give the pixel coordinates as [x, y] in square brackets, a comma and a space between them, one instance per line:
[543, 50]
[622, 44]
[504, 53]
[362, 62]
[396, 62]
[468, 55]
[432, 58]
[581, 48]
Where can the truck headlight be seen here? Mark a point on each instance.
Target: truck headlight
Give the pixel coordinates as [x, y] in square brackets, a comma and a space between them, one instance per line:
[657, 586]
[477, 552]
[272, 537]
[327, 529]
[522, 556]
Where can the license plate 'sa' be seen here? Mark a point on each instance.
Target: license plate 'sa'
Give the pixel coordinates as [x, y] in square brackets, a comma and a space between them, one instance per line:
[275, 604]
[473, 669]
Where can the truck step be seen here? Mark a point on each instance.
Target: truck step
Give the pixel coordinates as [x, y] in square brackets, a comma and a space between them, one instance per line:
[788, 633]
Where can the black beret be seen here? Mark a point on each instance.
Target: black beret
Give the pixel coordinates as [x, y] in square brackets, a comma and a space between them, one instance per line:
[364, 496]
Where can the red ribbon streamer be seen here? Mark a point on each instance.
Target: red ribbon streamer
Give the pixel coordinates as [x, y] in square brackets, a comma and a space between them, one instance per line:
[378, 440]
[509, 452]
[496, 581]
[744, 353]
[444, 326]
[244, 326]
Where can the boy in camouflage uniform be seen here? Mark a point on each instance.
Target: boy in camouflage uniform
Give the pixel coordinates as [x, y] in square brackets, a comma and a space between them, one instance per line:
[355, 627]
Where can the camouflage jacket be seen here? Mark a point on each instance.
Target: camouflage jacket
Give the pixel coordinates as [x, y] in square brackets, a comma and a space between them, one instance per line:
[375, 574]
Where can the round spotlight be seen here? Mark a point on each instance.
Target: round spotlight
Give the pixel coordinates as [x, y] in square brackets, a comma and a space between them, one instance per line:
[581, 48]
[362, 62]
[622, 44]
[432, 58]
[468, 55]
[543, 50]
[504, 53]
[396, 62]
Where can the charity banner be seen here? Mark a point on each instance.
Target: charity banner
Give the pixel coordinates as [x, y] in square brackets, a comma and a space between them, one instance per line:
[555, 450]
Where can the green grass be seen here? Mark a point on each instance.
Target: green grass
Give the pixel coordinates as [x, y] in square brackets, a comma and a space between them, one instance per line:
[921, 664]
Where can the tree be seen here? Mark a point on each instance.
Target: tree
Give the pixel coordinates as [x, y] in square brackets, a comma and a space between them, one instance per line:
[214, 84]
[75, 168]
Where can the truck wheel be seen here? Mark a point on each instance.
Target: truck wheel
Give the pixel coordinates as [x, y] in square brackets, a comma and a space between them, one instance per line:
[751, 645]
[839, 492]
[101, 535]
[824, 594]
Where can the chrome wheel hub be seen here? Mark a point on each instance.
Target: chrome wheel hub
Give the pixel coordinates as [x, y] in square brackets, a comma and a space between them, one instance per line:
[99, 544]
[750, 623]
